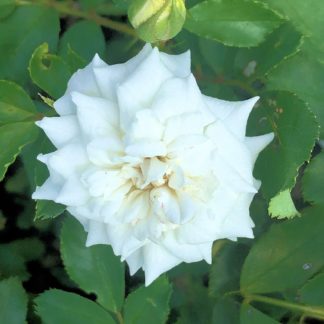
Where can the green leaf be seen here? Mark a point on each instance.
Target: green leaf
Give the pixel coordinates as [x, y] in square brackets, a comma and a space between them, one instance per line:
[25, 29]
[45, 67]
[95, 269]
[301, 80]
[46, 209]
[313, 180]
[13, 302]
[226, 311]
[149, 304]
[232, 22]
[57, 306]
[17, 113]
[30, 248]
[18, 135]
[257, 61]
[282, 206]
[226, 268]
[295, 130]
[250, 315]
[12, 263]
[307, 16]
[91, 42]
[190, 295]
[6, 8]
[287, 255]
[74, 60]
[313, 293]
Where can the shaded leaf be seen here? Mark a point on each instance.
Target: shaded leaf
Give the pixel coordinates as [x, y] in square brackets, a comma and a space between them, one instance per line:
[92, 40]
[313, 180]
[295, 130]
[313, 291]
[95, 269]
[250, 315]
[149, 304]
[25, 29]
[57, 306]
[301, 80]
[226, 311]
[226, 268]
[287, 255]
[13, 302]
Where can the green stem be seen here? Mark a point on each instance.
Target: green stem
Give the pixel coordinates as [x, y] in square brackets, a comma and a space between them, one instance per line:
[67, 9]
[312, 311]
[119, 318]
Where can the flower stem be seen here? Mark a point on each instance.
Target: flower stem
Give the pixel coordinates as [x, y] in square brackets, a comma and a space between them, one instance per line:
[311, 311]
[66, 8]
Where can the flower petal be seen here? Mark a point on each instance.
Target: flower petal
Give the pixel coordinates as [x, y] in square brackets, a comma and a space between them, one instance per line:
[157, 260]
[60, 130]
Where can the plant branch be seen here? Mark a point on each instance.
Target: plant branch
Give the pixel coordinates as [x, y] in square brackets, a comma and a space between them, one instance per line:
[311, 311]
[66, 8]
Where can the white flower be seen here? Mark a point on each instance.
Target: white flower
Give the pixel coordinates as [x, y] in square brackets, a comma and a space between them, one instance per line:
[148, 164]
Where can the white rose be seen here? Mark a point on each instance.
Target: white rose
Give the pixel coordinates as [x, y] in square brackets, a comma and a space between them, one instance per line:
[148, 164]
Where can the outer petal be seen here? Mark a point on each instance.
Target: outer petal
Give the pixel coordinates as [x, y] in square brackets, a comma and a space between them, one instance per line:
[236, 121]
[60, 130]
[157, 260]
[178, 65]
[139, 89]
[48, 190]
[81, 81]
[257, 144]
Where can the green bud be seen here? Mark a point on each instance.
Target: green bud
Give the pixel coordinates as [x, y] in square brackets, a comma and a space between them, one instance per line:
[157, 20]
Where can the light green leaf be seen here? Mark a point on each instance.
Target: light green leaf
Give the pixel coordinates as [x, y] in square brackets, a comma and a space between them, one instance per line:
[95, 269]
[232, 22]
[313, 180]
[301, 80]
[282, 206]
[25, 29]
[85, 38]
[225, 270]
[250, 315]
[295, 130]
[313, 291]
[13, 302]
[287, 255]
[149, 304]
[49, 71]
[57, 306]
